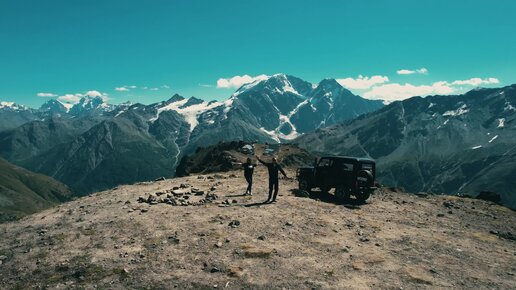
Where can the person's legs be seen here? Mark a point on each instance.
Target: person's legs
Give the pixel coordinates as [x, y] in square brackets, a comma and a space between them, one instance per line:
[271, 188]
[249, 184]
[276, 189]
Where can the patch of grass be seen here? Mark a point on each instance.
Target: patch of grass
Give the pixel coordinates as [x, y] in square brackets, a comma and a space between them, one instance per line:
[60, 237]
[254, 252]
[87, 231]
[152, 243]
[485, 237]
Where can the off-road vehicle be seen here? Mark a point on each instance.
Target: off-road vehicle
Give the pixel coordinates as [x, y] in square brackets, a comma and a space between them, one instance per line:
[350, 176]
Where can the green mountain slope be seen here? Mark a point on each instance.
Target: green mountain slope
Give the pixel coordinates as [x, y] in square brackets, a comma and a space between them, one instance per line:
[23, 192]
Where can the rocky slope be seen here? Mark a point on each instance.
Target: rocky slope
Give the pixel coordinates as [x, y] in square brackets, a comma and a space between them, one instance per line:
[227, 156]
[396, 240]
[23, 192]
[452, 144]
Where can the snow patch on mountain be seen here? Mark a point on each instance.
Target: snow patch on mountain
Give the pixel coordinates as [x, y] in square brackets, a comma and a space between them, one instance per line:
[12, 106]
[190, 113]
[501, 122]
[272, 134]
[460, 111]
[494, 138]
[476, 147]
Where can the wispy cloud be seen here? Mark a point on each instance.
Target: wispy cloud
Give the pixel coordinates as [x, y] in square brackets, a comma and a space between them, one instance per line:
[477, 82]
[165, 87]
[75, 98]
[122, 89]
[238, 81]
[411, 72]
[154, 89]
[46, 95]
[396, 91]
[206, 86]
[362, 83]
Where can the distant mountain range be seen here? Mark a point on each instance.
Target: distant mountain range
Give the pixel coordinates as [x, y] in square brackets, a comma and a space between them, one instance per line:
[93, 145]
[442, 144]
[23, 192]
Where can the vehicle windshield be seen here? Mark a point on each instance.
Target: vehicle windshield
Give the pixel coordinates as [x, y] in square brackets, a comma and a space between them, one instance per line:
[367, 166]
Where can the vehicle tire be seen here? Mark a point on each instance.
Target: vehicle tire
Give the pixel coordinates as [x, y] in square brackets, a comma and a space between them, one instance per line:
[325, 189]
[303, 185]
[342, 193]
[365, 178]
[362, 195]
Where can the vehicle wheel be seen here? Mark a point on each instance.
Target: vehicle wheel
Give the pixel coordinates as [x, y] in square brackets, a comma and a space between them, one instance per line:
[362, 195]
[325, 189]
[303, 185]
[342, 193]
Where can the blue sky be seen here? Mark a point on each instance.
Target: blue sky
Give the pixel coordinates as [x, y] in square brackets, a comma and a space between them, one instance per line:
[152, 49]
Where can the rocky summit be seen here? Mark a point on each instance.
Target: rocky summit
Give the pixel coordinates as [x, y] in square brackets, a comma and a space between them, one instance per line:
[201, 232]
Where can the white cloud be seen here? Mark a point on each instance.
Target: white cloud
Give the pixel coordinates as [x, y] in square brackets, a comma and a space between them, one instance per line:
[362, 83]
[70, 98]
[46, 95]
[395, 91]
[94, 94]
[131, 87]
[476, 82]
[410, 72]
[165, 87]
[75, 98]
[154, 89]
[122, 89]
[205, 86]
[238, 81]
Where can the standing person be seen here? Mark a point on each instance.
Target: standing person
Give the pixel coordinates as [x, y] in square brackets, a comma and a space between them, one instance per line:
[248, 174]
[273, 168]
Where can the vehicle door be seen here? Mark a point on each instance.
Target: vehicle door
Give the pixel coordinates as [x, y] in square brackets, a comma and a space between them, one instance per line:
[322, 172]
[347, 173]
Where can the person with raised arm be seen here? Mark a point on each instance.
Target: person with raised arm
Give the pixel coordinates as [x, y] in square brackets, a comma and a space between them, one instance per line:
[274, 168]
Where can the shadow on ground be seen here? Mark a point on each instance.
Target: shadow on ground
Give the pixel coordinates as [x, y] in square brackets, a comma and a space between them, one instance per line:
[328, 198]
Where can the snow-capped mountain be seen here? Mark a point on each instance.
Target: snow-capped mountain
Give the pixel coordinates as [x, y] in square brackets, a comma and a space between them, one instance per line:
[90, 105]
[441, 144]
[11, 106]
[53, 106]
[78, 145]
[285, 107]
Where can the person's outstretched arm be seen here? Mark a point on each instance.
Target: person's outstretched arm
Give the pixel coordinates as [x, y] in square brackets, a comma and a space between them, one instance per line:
[261, 161]
[282, 171]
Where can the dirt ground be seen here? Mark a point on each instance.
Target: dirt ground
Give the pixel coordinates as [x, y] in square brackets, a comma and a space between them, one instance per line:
[396, 241]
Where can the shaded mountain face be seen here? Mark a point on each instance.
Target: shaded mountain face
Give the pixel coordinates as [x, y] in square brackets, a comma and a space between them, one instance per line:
[23, 192]
[91, 145]
[442, 144]
[13, 115]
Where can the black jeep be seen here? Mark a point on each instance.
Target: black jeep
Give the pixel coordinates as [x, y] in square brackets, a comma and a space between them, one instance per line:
[349, 176]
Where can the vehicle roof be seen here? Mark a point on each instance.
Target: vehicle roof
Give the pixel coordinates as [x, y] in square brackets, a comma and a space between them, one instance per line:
[359, 159]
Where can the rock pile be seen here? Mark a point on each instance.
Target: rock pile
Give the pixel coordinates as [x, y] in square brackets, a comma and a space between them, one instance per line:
[182, 195]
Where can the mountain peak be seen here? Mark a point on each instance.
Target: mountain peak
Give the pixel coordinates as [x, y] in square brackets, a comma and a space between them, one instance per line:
[12, 106]
[54, 106]
[175, 98]
[329, 83]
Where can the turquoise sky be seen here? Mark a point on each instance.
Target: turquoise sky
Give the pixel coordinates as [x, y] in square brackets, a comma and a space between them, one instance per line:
[72, 47]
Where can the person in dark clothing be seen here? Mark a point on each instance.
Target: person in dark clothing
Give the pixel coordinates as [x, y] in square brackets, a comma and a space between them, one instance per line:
[248, 174]
[274, 168]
